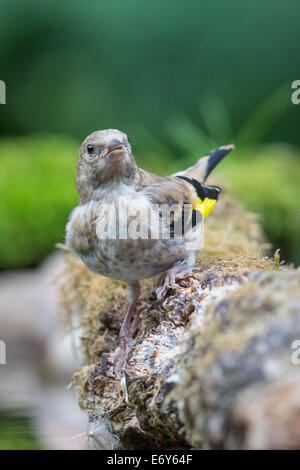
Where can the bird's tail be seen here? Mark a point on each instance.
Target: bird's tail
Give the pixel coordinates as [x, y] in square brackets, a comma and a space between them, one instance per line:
[203, 167]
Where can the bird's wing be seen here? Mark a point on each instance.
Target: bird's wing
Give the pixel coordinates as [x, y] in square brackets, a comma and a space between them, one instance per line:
[173, 199]
[185, 190]
[203, 167]
[180, 202]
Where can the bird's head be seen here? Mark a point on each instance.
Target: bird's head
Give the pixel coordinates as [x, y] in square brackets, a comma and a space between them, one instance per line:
[104, 156]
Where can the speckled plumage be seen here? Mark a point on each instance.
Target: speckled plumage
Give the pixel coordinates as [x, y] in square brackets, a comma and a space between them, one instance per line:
[107, 174]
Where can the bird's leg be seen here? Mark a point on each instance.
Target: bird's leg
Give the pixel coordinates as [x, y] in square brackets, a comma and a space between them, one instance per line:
[134, 325]
[127, 329]
[169, 281]
[176, 272]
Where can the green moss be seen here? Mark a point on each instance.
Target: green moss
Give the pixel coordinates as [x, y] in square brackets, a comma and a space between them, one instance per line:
[38, 191]
[267, 181]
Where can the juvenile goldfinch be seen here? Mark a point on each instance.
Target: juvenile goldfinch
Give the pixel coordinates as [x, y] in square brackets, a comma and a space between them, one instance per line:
[131, 224]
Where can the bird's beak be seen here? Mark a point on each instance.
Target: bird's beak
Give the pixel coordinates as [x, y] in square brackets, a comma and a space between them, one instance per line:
[115, 150]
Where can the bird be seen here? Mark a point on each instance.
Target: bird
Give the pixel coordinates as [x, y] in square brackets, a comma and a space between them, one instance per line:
[130, 224]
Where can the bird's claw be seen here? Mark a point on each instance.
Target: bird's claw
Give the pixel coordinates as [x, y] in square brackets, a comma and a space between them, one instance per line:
[120, 359]
[161, 291]
[172, 275]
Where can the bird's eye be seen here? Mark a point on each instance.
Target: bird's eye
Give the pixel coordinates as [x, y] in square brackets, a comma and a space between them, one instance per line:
[90, 149]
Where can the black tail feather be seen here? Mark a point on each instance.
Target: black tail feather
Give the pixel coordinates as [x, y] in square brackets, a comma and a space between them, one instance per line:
[203, 190]
[215, 156]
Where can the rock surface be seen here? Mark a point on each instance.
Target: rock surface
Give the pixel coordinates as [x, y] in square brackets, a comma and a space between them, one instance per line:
[211, 366]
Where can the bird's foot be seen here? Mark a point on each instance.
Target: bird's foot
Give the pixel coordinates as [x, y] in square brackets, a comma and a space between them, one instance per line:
[168, 282]
[120, 358]
[134, 325]
[177, 272]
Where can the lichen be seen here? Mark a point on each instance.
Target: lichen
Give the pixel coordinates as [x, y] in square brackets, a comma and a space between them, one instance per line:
[185, 344]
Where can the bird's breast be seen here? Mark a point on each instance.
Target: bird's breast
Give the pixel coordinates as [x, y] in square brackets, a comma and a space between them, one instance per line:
[80, 229]
[113, 240]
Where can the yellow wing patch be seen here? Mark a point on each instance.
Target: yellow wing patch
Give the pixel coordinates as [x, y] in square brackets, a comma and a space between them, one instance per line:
[204, 206]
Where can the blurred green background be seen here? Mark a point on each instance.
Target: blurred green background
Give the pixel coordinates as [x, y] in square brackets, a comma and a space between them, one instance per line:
[179, 77]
